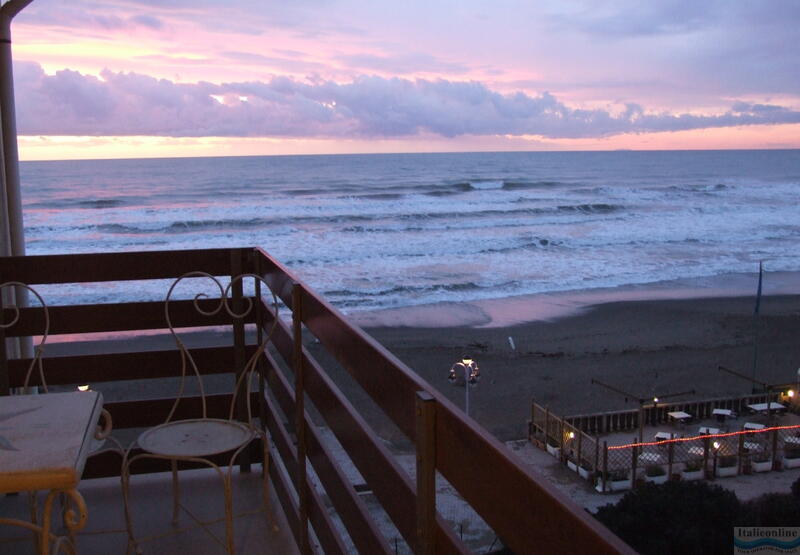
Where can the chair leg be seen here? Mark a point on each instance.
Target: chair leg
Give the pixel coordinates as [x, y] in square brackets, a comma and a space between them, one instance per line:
[265, 485]
[125, 478]
[175, 492]
[226, 481]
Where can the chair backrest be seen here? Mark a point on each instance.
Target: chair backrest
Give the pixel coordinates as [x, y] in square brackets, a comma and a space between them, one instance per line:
[36, 362]
[223, 305]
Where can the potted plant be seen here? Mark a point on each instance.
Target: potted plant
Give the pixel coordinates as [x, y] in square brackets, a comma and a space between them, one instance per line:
[726, 466]
[616, 480]
[655, 473]
[571, 464]
[761, 462]
[791, 457]
[553, 448]
[692, 470]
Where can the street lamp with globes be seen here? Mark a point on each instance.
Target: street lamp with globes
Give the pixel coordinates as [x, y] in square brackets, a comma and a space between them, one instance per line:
[471, 376]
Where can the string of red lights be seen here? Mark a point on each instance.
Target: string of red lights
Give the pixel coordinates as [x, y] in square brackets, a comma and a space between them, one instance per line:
[680, 439]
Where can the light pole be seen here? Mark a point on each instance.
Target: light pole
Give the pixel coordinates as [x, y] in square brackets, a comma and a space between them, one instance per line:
[471, 376]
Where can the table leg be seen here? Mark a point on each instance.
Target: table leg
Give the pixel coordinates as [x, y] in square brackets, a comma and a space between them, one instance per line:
[74, 517]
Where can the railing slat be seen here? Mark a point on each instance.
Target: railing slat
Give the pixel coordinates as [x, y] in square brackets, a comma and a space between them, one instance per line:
[99, 318]
[122, 366]
[119, 266]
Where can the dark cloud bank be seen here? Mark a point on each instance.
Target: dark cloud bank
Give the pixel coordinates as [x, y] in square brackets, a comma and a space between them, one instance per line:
[69, 103]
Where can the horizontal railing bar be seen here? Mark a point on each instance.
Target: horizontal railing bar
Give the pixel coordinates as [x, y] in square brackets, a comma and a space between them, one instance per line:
[107, 463]
[318, 515]
[362, 528]
[118, 266]
[152, 412]
[99, 318]
[561, 525]
[123, 366]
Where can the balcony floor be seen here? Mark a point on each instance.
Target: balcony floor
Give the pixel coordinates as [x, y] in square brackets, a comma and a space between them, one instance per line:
[151, 499]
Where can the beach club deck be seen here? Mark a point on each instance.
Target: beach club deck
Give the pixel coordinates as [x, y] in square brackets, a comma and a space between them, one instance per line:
[315, 503]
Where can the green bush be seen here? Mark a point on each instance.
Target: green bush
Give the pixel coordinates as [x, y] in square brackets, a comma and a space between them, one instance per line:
[693, 465]
[655, 470]
[675, 517]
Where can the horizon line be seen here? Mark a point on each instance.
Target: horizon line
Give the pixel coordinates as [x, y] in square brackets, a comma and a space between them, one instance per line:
[402, 153]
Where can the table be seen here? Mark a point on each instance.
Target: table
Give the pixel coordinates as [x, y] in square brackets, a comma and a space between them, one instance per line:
[651, 458]
[44, 441]
[679, 415]
[722, 412]
[664, 435]
[707, 430]
[753, 426]
[762, 407]
[792, 439]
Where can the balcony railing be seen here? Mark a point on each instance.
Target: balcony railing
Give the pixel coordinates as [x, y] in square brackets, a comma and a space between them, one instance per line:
[526, 512]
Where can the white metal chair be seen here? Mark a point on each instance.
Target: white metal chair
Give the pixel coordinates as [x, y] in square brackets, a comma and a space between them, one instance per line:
[198, 439]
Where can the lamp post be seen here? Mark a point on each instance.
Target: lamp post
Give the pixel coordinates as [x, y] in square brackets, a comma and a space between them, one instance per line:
[471, 376]
[716, 445]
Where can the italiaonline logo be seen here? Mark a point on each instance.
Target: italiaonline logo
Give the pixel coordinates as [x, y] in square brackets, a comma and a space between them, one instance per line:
[763, 539]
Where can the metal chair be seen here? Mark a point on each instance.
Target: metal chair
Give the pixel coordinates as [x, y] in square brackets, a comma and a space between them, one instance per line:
[73, 519]
[198, 439]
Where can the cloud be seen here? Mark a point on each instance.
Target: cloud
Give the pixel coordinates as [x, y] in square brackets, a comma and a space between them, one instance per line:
[118, 103]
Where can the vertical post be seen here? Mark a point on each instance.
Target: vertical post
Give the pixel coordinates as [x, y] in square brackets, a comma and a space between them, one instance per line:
[239, 347]
[634, 454]
[596, 452]
[670, 458]
[580, 441]
[741, 455]
[605, 465]
[641, 422]
[426, 473]
[775, 446]
[546, 426]
[705, 455]
[299, 416]
[466, 389]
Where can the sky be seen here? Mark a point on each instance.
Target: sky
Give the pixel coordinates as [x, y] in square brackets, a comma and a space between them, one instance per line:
[141, 78]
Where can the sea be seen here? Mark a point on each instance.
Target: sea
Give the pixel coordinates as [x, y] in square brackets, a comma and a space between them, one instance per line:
[383, 231]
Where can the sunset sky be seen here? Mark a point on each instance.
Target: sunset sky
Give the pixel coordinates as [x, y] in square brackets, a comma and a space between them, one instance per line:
[141, 78]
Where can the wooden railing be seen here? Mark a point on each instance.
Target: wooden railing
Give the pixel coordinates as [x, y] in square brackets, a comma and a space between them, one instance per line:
[525, 511]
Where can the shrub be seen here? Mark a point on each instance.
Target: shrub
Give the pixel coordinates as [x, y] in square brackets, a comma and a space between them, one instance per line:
[675, 517]
[655, 470]
[693, 465]
[773, 509]
[727, 461]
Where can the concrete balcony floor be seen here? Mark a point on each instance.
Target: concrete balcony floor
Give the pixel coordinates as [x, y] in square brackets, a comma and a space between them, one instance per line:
[201, 526]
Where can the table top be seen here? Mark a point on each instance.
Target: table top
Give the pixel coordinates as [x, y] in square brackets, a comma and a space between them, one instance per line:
[761, 407]
[664, 435]
[792, 439]
[44, 439]
[679, 415]
[753, 426]
[724, 412]
[708, 430]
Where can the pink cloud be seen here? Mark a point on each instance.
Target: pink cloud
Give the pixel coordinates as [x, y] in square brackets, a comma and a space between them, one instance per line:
[118, 103]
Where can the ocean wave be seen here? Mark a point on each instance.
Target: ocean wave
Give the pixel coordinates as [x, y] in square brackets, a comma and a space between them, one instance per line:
[96, 204]
[597, 208]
